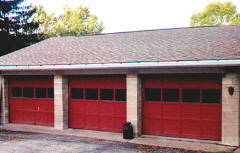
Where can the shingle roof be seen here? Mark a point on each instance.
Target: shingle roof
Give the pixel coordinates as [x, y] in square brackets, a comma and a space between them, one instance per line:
[196, 43]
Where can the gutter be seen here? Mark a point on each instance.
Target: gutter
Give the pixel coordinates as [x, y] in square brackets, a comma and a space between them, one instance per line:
[160, 64]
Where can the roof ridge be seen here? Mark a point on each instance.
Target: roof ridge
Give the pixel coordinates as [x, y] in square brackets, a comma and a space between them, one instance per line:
[147, 30]
[124, 32]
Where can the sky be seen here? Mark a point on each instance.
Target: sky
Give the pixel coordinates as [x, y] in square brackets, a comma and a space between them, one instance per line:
[133, 15]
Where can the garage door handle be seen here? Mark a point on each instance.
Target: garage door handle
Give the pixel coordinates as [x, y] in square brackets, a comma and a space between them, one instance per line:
[38, 108]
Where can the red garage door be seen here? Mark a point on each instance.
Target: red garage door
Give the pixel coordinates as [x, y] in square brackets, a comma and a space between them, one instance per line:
[182, 106]
[97, 103]
[31, 100]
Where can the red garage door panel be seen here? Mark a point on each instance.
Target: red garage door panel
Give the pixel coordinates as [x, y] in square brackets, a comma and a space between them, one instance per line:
[97, 103]
[171, 127]
[191, 111]
[191, 129]
[182, 106]
[31, 100]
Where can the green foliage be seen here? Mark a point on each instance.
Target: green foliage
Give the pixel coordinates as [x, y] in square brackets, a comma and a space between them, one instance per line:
[74, 21]
[16, 26]
[216, 13]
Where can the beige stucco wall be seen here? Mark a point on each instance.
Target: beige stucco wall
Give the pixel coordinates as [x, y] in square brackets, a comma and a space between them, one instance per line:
[134, 102]
[4, 105]
[60, 102]
[230, 110]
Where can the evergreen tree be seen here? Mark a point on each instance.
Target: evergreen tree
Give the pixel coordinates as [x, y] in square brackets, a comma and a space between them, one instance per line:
[16, 26]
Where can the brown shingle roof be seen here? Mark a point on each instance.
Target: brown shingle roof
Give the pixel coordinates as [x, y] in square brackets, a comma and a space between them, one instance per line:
[196, 43]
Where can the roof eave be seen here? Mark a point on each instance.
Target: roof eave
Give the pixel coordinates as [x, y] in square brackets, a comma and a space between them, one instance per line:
[159, 64]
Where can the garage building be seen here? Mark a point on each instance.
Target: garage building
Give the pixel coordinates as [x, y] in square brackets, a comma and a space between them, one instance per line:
[181, 82]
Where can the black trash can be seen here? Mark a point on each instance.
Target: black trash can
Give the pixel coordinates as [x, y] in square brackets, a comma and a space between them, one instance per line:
[127, 131]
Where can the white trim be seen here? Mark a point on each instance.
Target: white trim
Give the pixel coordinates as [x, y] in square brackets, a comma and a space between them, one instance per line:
[215, 63]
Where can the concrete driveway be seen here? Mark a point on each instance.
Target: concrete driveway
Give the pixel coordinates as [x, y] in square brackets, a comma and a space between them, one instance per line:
[23, 142]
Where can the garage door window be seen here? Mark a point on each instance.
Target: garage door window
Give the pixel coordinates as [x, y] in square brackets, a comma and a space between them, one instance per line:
[170, 95]
[106, 94]
[41, 93]
[153, 94]
[28, 92]
[120, 94]
[211, 96]
[191, 95]
[50, 93]
[91, 94]
[77, 93]
[17, 92]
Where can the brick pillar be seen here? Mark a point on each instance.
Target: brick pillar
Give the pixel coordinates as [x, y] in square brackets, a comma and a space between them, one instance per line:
[134, 103]
[4, 98]
[60, 102]
[230, 110]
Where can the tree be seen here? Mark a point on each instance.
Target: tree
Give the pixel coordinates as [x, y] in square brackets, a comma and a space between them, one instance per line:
[76, 21]
[47, 21]
[16, 27]
[216, 13]
[15, 19]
